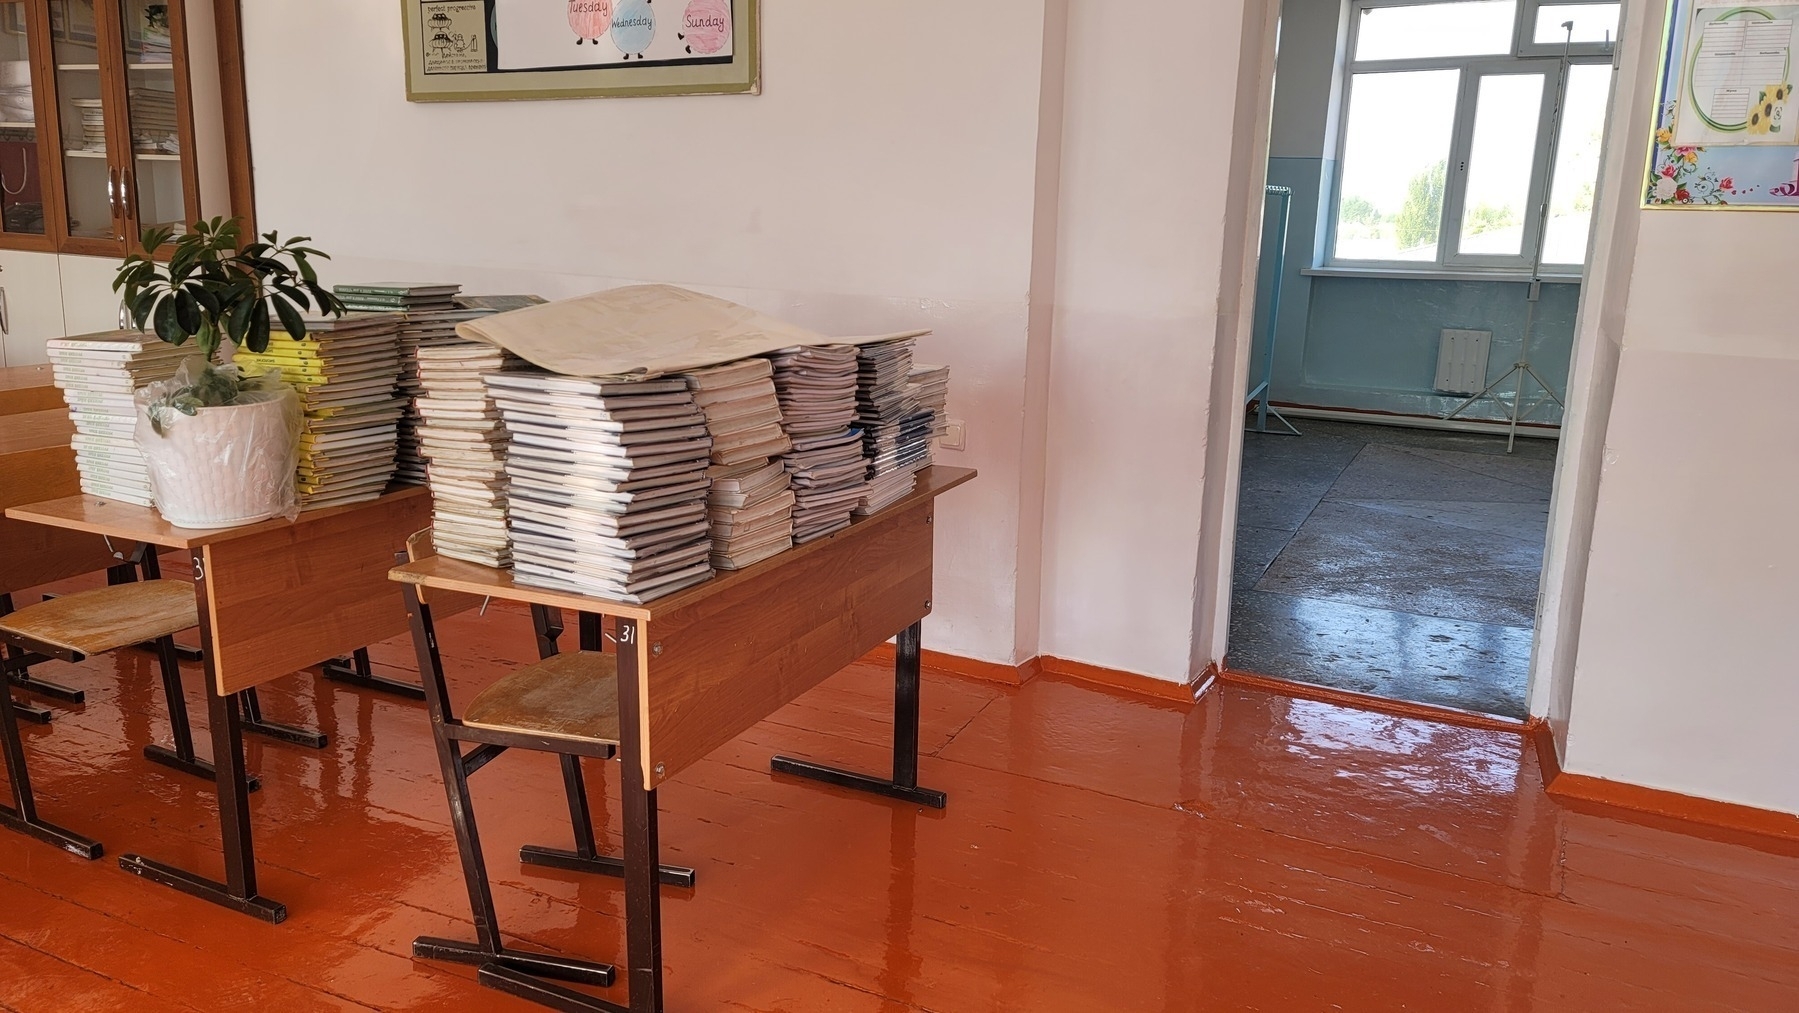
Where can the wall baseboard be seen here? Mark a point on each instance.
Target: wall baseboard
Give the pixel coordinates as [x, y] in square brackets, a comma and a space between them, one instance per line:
[1184, 693]
[1685, 811]
[953, 664]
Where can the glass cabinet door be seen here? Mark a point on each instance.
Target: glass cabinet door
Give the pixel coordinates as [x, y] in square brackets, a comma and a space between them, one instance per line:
[21, 166]
[90, 173]
[153, 182]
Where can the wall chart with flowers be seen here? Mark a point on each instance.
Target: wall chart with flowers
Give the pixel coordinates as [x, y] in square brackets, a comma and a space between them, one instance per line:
[1727, 124]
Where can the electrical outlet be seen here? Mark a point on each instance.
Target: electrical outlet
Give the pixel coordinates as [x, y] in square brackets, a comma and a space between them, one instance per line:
[955, 435]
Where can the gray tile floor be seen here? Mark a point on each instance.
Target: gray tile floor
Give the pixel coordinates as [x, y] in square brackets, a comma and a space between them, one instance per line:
[1398, 562]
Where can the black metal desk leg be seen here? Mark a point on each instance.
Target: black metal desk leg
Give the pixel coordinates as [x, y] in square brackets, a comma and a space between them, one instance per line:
[22, 816]
[586, 857]
[254, 724]
[238, 892]
[358, 670]
[643, 896]
[904, 783]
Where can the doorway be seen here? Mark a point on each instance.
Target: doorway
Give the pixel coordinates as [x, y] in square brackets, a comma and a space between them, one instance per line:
[1440, 160]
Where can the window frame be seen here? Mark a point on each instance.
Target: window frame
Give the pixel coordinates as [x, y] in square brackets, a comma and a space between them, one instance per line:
[1524, 57]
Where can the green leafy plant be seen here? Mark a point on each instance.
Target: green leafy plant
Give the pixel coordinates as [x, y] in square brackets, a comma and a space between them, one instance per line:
[214, 287]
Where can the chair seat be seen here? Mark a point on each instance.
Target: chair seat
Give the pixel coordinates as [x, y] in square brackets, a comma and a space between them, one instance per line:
[107, 618]
[569, 696]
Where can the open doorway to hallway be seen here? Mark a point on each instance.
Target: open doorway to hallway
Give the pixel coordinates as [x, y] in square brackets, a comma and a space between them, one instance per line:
[1432, 171]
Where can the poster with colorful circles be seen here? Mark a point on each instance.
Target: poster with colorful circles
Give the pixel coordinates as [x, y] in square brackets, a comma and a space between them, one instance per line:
[467, 50]
[1726, 131]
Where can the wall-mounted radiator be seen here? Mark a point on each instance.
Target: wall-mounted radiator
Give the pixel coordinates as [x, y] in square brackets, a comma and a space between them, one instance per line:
[1462, 361]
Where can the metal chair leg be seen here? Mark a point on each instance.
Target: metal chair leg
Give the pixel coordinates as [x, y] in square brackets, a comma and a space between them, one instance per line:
[22, 815]
[586, 857]
[181, 757]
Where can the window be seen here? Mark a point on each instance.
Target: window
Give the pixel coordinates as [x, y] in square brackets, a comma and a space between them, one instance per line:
[1449, 127]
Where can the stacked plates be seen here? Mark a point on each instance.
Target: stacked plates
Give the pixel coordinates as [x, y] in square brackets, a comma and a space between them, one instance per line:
[461, 435]
[750, 510]
[153, 127]
[816, 390]
[896, 433]
[98, 374]
[93, 123]
[346, 370]
[15, 92]
[607, 484]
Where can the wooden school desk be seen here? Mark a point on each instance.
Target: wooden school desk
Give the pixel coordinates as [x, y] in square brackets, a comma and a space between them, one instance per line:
[36, 462]
[699, 667]
[274, 597]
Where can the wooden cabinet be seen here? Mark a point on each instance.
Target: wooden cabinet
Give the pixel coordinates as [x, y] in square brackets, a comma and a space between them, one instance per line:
[113, 118]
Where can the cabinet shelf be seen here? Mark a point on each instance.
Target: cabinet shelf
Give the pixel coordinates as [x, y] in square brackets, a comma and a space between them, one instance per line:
[83, 153]
[26, 125]
[156, 156]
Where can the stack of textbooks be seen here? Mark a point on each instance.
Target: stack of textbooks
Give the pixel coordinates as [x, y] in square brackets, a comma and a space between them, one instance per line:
[98, 373]
[461, 436]
[816, 387]
[750, 510]
[430, 314]
[606, 484]
[896, 432]
[930, 388]
[750, 507]
[347, 370]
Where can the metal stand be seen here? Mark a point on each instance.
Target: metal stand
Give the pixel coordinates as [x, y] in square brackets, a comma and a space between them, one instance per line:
[904, 783]
[1259, 396]
[357, 670]
[1522, 369]
[254, 723]
[22, 815]
[182, 757]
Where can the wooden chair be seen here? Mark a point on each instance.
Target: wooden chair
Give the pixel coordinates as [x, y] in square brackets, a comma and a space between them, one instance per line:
[77, 626]
[567, 704]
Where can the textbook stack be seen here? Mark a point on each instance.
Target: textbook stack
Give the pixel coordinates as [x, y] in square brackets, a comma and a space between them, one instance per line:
[930, 387]
[896, 433]
[816, 388]
[430, 315]
[98, 373]
[607, 484]
[750, 506]
[461, 436]
[346, 370]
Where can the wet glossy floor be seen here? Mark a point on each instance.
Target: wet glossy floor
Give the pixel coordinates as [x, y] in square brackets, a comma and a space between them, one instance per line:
[1398, 562]
[1100, 853]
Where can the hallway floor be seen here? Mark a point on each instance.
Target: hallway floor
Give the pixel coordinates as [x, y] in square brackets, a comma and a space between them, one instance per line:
[1398, 562]
[1100, 852]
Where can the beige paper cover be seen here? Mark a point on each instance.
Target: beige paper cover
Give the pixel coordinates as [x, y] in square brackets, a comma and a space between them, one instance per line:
[643, 331]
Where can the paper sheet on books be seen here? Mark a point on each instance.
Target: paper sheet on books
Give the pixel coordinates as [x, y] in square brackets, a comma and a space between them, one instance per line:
[643, 331]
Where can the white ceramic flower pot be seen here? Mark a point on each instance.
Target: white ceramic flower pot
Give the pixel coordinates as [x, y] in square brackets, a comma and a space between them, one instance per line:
[223, 467]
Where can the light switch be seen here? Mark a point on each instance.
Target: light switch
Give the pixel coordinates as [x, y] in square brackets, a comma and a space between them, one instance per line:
[955, 435]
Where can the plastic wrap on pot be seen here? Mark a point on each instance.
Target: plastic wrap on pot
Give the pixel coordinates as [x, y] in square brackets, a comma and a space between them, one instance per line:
[219, 467]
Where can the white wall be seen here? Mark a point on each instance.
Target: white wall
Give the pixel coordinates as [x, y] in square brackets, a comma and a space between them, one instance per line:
[1684, 672]
[886, 178]
[1143, 177]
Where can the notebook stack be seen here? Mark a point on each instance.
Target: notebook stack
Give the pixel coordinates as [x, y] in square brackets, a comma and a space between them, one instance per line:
[93, 123]
[346, 370]
[430, 315]
[930, 387]
[607, 484]
[816, 386]
[751, 504]
[461, 435]
[98, 374]
[896, 433]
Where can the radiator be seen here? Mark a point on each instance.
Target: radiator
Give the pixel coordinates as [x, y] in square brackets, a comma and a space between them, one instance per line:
[1462, 361]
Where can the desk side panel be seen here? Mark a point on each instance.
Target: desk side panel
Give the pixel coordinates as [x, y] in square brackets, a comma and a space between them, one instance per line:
[33, 554]
[734, 658]
[304, 593]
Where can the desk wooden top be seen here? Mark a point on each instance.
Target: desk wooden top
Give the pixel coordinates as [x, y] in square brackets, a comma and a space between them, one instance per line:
[28, 389]
[143, 524]
[445, 574]
[28, 431]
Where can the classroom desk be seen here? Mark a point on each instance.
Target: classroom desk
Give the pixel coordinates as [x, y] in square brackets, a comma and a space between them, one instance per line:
[36, 461]
[28, 389]
[274, 597]
[701, 666]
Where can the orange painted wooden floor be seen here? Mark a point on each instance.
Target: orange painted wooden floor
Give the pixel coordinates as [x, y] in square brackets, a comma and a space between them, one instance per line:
[1100, 853]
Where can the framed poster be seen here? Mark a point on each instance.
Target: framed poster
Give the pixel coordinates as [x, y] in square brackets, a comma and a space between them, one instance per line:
[476, 50]
[1726, 131]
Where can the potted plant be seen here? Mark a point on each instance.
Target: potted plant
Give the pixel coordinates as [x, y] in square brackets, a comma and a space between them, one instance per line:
[221, 448]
